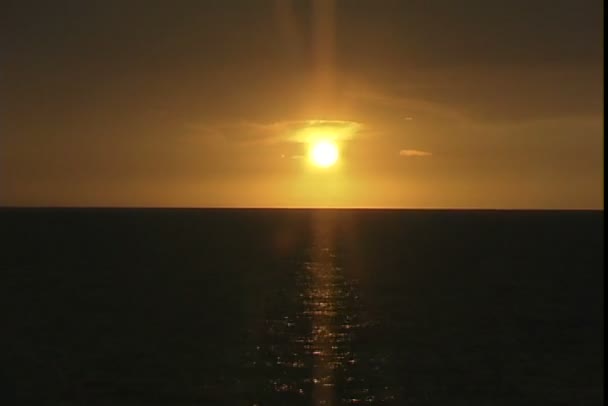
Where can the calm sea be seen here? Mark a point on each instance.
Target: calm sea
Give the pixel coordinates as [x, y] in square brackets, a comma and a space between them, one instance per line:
[301, 307]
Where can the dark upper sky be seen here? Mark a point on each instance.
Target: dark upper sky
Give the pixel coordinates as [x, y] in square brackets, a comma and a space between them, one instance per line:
[200, 103]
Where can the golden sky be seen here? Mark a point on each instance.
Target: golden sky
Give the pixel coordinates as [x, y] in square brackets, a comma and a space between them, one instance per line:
[432, 104]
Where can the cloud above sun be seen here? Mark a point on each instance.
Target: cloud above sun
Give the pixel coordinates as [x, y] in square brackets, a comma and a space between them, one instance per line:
[299, 132]
[328, 130]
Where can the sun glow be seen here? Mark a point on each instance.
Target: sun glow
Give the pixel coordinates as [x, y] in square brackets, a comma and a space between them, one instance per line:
[324, 153]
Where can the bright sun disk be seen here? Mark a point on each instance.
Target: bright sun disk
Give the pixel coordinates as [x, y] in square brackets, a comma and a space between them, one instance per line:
[324, 153]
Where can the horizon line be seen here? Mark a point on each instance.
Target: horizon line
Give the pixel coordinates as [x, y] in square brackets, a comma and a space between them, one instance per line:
[387, 208]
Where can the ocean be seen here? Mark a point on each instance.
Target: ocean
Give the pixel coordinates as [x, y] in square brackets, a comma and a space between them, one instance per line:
[301, 307]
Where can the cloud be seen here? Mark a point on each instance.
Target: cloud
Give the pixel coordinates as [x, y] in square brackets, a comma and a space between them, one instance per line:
[408, 153]
[502, 94]
[398, 104]
[298, 132]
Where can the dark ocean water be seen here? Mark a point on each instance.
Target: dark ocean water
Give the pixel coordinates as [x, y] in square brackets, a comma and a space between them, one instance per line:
[301, 307]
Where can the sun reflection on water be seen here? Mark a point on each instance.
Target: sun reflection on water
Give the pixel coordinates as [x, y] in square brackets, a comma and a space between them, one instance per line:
[309, 355]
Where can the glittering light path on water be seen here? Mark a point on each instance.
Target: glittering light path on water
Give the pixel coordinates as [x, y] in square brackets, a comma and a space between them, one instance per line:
[308, 356]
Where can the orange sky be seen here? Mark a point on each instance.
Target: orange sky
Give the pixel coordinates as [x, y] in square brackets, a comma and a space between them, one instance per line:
[433, 104]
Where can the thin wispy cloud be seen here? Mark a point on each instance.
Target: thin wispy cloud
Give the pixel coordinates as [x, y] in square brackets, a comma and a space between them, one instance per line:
[414, 153]
[400, 104]
[299, 132]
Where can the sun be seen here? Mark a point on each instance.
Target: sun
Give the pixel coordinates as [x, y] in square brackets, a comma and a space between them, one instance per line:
[324, 153]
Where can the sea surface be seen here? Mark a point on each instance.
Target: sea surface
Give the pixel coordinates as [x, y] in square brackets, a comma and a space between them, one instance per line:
[301, 307]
